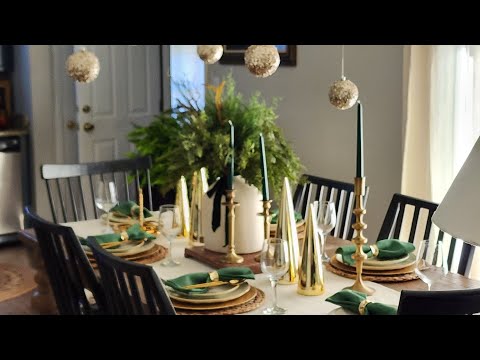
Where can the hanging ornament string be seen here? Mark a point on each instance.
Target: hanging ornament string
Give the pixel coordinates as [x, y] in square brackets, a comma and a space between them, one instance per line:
[83, 66]
[343, 93]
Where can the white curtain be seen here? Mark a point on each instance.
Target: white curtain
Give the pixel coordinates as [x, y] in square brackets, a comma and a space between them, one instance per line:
[442, 121]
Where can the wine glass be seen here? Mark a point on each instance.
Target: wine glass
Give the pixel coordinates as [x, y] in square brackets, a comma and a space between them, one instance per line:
[170, 225]
[327, 219]
[106, 198]
[274, 262]
[431, 263]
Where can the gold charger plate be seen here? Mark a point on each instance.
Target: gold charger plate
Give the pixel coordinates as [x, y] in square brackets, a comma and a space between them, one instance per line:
[410, 260]
[126, 249]
[249, 296]
[241, 290]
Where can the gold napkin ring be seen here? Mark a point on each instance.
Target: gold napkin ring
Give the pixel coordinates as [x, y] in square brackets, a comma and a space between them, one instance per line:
[374, 249]
[124, 236]
[363, 306]
[213, 276]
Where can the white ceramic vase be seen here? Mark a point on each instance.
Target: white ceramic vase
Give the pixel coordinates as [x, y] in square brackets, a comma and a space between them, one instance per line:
[248, 225]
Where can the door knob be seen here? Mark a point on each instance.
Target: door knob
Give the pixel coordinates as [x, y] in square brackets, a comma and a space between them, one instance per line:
[86, 109]
[88, 127]
[72, 125]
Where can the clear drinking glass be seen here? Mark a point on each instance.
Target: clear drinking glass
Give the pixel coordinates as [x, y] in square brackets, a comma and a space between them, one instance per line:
[274, 262]
[327, 219]
[170, 225]
[106, 198]
[431, 263]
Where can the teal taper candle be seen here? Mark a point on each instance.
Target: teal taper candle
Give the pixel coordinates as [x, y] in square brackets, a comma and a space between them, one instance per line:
[360, 170]
[263, 165]
[232, 160]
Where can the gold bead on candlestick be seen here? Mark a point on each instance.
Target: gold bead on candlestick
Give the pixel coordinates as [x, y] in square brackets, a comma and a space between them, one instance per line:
[359, 239]
[231, 257]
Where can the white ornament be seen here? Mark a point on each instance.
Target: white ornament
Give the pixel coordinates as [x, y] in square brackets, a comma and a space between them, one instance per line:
[83, 66]
[343, 94]
[262, 60]
[210, 54]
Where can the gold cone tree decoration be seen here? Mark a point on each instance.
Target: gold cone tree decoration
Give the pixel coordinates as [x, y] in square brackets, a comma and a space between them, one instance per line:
[181, 201]
[287, 229]
[199, 188]
[310, 271]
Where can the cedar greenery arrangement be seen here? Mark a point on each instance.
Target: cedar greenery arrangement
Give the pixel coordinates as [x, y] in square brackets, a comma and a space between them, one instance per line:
[187, 138]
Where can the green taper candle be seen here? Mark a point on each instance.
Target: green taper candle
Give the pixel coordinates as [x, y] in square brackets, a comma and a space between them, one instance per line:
[232, 161]
[360, 170]
[263, 165]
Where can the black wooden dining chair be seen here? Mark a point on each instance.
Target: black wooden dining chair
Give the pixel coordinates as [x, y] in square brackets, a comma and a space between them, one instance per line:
[395, 219]
[69, 271]
[451, 302]
[322, 189]
[130, 288]
[70, 187]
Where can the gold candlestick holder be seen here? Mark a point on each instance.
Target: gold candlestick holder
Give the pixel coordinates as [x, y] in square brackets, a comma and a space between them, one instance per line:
[231, 257]
[267, 204]
[359, 239]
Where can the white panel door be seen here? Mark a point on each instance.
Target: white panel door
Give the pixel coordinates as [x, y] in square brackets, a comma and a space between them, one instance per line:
[126, 91]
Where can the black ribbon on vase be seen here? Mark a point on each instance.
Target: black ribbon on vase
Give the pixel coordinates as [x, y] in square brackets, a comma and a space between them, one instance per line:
[219, 190]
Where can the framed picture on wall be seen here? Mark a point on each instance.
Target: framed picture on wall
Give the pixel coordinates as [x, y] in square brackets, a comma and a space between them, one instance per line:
[234, 54]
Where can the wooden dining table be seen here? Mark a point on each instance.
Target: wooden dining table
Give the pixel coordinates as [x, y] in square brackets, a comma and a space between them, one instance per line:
[43, 302]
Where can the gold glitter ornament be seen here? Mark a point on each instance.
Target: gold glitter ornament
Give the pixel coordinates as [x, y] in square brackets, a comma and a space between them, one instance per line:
[343, 94]
[210, 54]
[262, 60]
[83, 66]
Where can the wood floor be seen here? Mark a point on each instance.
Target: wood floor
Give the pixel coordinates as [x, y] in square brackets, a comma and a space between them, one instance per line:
[16, 254]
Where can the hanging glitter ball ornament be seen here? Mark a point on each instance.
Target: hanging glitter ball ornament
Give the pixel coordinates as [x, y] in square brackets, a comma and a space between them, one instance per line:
[343, 94]
[210, 54]
[83, 66]
[262, 60]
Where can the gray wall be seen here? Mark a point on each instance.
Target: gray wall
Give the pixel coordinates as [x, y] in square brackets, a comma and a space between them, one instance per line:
[323, 136]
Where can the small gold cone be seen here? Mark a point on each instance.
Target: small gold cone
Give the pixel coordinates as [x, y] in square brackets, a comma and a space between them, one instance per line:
[181, 201]
[310, 271]
[287, 229]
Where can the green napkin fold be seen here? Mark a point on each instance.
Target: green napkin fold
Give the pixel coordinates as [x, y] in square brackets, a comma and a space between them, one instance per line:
[135, 232]
[274, 218]
[388, 249]
[351, 299]
[225, 274]
[129, 209]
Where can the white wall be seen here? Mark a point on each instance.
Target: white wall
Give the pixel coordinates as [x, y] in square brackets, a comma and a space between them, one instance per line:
[323, 136]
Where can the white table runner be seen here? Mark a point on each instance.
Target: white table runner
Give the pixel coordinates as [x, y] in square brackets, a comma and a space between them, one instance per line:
[288, 297]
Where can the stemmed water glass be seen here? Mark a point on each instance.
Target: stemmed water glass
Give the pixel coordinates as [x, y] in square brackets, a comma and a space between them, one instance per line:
[431, 263]
[105, 199]
[274, 262]
[170, 225]
[327, 219]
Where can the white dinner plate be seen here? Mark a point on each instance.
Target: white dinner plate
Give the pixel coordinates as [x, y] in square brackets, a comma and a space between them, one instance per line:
[241, 290]
[410, 260]
[342, 311]
[126, 249]
[212, 293]
[374, 261]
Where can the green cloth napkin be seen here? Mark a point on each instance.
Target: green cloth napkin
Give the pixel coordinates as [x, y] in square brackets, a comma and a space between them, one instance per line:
[274, 217]
[225, 274]
[388, 249]
[351, 299]
[135, 232]
[124, 208]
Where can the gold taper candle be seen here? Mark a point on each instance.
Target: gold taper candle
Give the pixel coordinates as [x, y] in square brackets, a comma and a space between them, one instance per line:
[140, 204]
